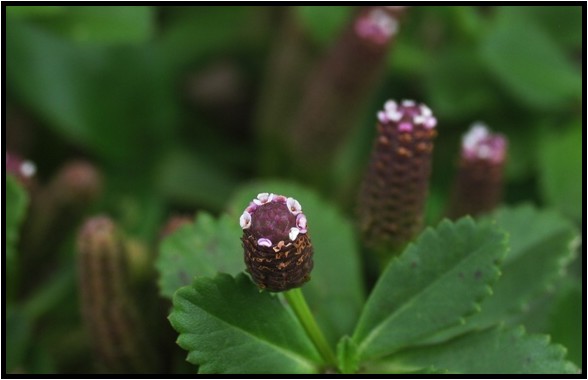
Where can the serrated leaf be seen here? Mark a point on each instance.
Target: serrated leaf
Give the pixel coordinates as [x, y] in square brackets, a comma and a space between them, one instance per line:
[436, 282]
[560, 169]
[493, 351]
[203, 248]
[540, 250]
[531, 65]
[16, 206]
[229, 326]
[335, 291]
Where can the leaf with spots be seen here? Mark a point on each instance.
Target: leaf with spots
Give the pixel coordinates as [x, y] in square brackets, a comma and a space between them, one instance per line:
[202, 248]
[433, 285]
[540, 249]
[229, 326]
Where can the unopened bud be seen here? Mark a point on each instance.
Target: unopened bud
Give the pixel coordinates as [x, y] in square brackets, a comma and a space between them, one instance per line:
[478, 185]
[393, 193]
[77, 182]
[277, 249]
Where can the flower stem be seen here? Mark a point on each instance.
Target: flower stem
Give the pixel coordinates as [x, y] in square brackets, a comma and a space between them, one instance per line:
[298, 303]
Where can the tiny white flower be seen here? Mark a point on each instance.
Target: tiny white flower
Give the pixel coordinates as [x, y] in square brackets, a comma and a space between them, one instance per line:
[294, 206]
[245, 220]
[408, 103]
[28, 169]
[264, 242]
[293, 233]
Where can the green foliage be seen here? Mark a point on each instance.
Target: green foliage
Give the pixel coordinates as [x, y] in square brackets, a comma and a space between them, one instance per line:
[436, 282]
[202, 248]
[494, 351]
[16, 207]
[521, 63]
[335, 292]
[165, 100]
[229, 326]
[560, 169]
[540, 250]
[323, 22]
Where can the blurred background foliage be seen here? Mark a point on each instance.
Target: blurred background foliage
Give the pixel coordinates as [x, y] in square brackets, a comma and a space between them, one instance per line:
[166, 102]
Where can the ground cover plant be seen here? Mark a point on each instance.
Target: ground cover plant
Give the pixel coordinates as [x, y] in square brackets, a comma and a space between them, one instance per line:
[297, 189]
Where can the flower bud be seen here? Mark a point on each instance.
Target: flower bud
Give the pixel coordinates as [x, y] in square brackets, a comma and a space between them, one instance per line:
[77, 182]
[338, 88]
[394, 190]
[277, 248]
[478, 185]
[117, 330]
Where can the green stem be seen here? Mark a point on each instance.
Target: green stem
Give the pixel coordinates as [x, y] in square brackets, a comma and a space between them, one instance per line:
[298, 303]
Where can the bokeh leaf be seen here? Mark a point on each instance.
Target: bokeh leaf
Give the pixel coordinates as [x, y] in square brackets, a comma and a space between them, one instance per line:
[335, 291]
[493, 351]
[530, 64]
[104, 24]
[433, 285]
[202, 248]
[112, 101]
[323, 22]
[560, 171]
[16, 207]
[229, 326]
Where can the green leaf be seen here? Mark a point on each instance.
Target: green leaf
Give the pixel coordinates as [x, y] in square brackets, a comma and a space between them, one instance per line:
[104, 24]
[323, 22]
[565, 323]
[229, 326]
[200, 249]
[71, 87]
[16, 206]
[17, 201]
[493, 351]
[192, 179]
[29, 11]
[560, 169]
[531, 65]
[335, 291]
[540, 251]
[18, 337]
[347, 358]
[433, 285]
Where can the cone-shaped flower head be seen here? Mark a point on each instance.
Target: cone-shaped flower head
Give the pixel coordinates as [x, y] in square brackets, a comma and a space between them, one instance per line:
[478, 184]
[393, 193]
[277, 249]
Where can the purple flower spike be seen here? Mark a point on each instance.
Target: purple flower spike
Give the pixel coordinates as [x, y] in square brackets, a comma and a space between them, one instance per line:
[477, 188]
[394, 189]
[277, 250]
[377, 26]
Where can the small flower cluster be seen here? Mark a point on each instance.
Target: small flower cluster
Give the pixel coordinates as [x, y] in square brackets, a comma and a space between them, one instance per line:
[278, 252]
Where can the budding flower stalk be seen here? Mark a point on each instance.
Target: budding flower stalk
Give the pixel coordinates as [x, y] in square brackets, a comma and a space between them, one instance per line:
[338, 88]
[478, 185]
[277, 249]
[394, 190]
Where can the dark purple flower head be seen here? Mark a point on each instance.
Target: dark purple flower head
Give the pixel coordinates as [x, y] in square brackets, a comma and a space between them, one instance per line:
[376, 25]
[394, 189]
[477, 188]
[480, 144]
[278, 251]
